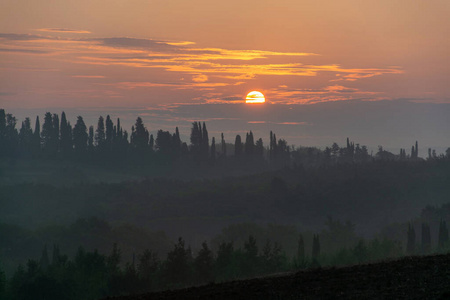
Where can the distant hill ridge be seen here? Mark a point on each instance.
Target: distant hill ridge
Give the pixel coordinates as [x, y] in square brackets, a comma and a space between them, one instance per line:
[418, 277]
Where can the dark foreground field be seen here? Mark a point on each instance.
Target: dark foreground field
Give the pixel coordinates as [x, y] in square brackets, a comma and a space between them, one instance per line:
[426, 277]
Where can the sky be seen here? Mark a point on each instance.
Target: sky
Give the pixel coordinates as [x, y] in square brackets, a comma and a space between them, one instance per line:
[376, 71]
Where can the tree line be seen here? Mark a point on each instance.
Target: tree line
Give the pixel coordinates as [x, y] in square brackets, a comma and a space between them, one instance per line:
[109, 141]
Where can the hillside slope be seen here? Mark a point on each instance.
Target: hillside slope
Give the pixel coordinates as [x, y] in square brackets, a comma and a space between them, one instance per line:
[426, 277]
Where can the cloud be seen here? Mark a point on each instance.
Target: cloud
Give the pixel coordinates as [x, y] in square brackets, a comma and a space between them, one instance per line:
[199, 78]
[62, 30]
[88, 76]
[210, 69]
[3, 94]
[341, 89]
[27, 51]
[19, 37]
[183, 57]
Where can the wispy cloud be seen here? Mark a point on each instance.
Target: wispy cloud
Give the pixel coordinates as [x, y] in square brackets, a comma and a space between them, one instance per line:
[62, 30]
[25, 51]
[88, 76]
[202, 69]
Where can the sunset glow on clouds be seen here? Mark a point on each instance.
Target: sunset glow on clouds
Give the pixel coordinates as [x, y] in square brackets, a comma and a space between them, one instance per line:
[162, 58]
[184, 66]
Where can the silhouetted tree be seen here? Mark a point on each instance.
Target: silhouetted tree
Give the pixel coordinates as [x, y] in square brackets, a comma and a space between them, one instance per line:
[91, 139]
[37, 137]
[238, 146]
[196, 141]
[147, 268]
[271, 154]
[223, 145]
[360, 252]
[249, 144]
[411, 242]
[250, 262]
[100, 135]
[56, 255]
[426, 238]
[26, 138]
[335, 151]
[139, 136]
[443, 234]
[151, 143]
[301, 250]
[204, 264]
[177, 269]
[164, 142]
[80, 137]
[109, 133]
[176, 140]
[213, 149]
[48, 145]
[205, 143]
[56, 133]
[11, 138]
[2, 131]
[66, 136]
[223, 266]
[44, 262]
[259, 148]
[315, 247]
[417, 150]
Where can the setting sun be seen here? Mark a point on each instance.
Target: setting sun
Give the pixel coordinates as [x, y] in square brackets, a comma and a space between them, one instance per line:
[255, 97]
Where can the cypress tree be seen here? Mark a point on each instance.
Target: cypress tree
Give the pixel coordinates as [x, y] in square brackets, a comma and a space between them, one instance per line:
[66, 136]
[11, 140]
[196, 141]
[203, 265]
[301, 250]
[44, 261]
[100, 136]
[416, 154]
[46, 134]
[55, 133]
[426, 238]
[91, 139]
[274, 147]
[259, 148]
[140, 136]
[249, 144]
[151, 143]
[80, 137]
[205, 142]
[271, 146]
[37, 137]
[238, 146]
[315, 247]
[26, 137]
[109, 132]
[224, 146]
[177, 269]
[56, 257]
[2, 123]
[213, 149]
[411, 242]
[443, 234]
[177, 142]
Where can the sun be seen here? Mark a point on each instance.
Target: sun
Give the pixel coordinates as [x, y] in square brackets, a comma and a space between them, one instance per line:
[255, 97]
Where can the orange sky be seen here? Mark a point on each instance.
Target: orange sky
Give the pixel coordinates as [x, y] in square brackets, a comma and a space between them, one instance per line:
[149, 54]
